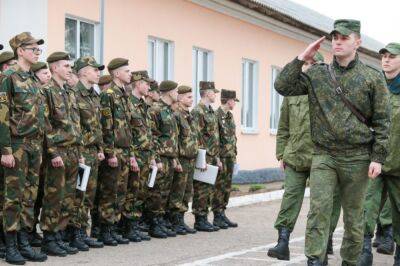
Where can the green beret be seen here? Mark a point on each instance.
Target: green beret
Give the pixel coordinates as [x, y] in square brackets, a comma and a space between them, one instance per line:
[105, 80]
[116, 63]
[153, 85]
[346, 26]
[168, 85]
[24, 38]
[184, 89]
[318, 58]
[392, 48]
[6, 56]
[57, 56]
[228, 94]
[207, 85]
[140, 75]
[38, 66]
[85, 61]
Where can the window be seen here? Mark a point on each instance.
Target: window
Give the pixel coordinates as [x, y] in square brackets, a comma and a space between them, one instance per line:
[249, 96]
[276, 102]
[80, 38]
[202, 70]
[160, 59]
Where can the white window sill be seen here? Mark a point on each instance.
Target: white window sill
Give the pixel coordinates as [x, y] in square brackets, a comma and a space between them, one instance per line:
[273, 132]
[250, 131]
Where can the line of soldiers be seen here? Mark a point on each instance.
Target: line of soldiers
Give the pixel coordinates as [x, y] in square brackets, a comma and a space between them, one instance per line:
[52, 120]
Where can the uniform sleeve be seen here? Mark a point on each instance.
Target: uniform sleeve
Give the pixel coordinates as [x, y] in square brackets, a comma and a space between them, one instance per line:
[107, 123]
[5, 100]
[291, 82]
[282, 136]
[198, 120]
[155, 132]
[51, 134]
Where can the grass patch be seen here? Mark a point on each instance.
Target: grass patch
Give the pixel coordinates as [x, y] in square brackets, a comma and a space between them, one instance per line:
[235, 188]
[256, 187]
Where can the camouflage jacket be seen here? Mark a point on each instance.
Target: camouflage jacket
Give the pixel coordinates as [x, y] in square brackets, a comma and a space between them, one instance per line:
[227, 134]
[188, 133]
[115, 120]
[22, 108]
[164, 129]
[293, 140]
[207, 122]
[64, 118]
[89, 111]
[333, 126]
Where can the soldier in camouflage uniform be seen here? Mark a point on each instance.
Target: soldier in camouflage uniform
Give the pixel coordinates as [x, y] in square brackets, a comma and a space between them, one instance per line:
[346, 149]
[88, 101]
[7, 60]
[42, 72]
[384, 228]
[389, 180]
[105, 82]
[165, 135]
[205, 119]
[118, 150]
[22, 125]
[182, 184]
[154, 93]
[228, 152]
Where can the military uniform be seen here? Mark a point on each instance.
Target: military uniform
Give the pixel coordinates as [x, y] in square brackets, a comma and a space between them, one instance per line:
[344, 147]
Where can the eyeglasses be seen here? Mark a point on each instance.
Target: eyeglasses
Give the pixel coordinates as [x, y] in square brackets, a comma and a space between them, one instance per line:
[33, 49]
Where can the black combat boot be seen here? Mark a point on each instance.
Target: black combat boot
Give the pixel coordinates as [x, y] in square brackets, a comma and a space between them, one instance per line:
[219, 221]
[185, 226]
[2, 243]
[136, 229]
[92, 243]
[281, 250]
[378, 236]
[329, 248]
[155, 229]
[202, 225]
[129, 231]
[176, 224]
[26, 249]
[120, 240]
[76, 240]
[34, 238]
[144, 223]
[387, 243]
[366, 256]
[227, 221]
[50, 246]
[65, 245]
[105, 236]
[397, 256]
[163, 224]
[314, 262]
[13, 256]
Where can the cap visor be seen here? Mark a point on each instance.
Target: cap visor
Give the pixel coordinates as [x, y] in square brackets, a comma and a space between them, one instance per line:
[389, 50]
[101, 67]
[342, 31]
[237, 100]
[1, 47]
[216, 91]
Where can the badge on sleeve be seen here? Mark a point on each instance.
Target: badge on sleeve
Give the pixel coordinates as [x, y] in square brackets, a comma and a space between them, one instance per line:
[106, 112]
[3, 97]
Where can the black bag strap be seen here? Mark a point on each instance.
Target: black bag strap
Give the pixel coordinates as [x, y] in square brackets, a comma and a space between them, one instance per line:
[346, 102]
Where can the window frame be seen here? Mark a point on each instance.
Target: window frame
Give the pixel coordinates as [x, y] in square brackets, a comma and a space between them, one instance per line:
[153, 67]
[196, 70]
[275, 71]
[254, 109]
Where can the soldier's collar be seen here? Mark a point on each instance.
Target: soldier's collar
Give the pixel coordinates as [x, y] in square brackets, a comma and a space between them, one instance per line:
[349, 66]
[22, 73]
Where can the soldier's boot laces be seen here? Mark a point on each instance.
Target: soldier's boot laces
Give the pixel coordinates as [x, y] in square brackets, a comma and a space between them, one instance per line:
[26, 249]
[166, 230]
[155, 229]
[76, 240]
[188, 229]
[2, 244]
[50, 246]
[176, 225]
[120, 240]
[34, 238]
[397, 256]
[366, 256]
[202, 225]
[387, 243]
[92, 243]
[105, 236]
[378, 236]
[228, 221]
[130, 232]
[64, 245]
[329, 248]
[219, 221]
[281, 250]
[13, 256]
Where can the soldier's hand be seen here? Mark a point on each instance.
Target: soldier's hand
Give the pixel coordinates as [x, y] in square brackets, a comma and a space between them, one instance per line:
[57, 162]
[219, 164]
[311, 50]
[153, 163]
[174, 164]
[100, 156]
[134, 165]
[8, 161]
[282, 165]
[178, 168]
[160, 167]
[374, 170]
[113, 162]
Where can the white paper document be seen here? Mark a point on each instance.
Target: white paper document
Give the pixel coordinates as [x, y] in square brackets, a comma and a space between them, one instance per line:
[236, 169]
[152, 176]
[209, 176]
[201, 159]
[83, 177]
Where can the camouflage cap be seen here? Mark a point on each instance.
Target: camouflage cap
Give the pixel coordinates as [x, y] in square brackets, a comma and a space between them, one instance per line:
[85, 61]
[6, 56]
[105, 80]
[38, 66]
[207, 85]
[153, 85]
[229, 94]
[57, 56]
[346, 26]
[140, 75]
[318, 58]
[168, 85]
[184, 89]
[393, 48]
[22, 39]
[116, 63]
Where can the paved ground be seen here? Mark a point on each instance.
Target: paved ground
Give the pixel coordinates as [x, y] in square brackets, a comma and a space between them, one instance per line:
[245, 245]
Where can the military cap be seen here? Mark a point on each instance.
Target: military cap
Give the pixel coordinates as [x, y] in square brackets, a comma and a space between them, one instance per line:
[57, 56]
[38, 66]
[228, 94]
[184, 89]
[85, 61]
[140, 75]
[153, 85]
[393, 48]
[168, 85]
[346, 26]
[22, 39]
[1, 47]
[6, 56]
[318, 58]
[105, 80]
[207, 85]
[116, 63]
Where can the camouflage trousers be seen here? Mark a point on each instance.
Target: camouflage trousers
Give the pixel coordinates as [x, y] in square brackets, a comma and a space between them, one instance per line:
[59, 208]
[113, 183]
[182, 186]
[349, 173]
[295, 185]
[223, 185]
[202, 193]
[376, 206]
[158, 195]
[20, 186]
